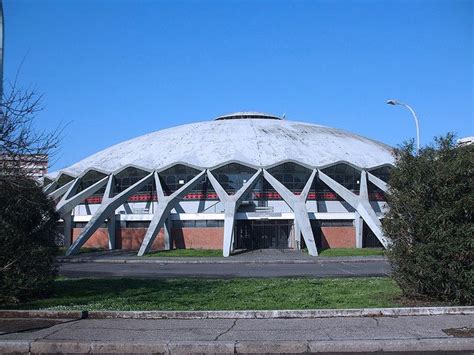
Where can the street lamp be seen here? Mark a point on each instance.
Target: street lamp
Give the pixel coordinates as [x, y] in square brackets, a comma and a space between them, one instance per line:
[395, 102]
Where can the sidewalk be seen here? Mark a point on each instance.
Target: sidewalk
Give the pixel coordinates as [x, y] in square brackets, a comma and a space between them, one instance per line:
[446, 333]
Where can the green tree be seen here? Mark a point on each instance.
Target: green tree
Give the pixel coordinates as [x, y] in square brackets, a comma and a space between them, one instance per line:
[27, 228]
[430, 221]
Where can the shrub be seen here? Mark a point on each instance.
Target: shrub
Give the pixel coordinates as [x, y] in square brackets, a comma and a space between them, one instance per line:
[430, 221]
[27, 231]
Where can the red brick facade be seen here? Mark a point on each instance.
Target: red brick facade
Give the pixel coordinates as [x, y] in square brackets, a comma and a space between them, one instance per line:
[201, 238]
[198, 238]
[338, 237]
[131, 238]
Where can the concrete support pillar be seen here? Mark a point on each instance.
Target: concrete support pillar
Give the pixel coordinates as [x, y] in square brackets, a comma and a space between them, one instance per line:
[70, 199]
[60, 191]
[382, 185]
[360, 203]
[231, 204]
[297, 236]
[165, 205]
[107, 208]
[359, 225]
[167, 235]
[298, 204]
[229, 221]
[67, 226]
[111, 231]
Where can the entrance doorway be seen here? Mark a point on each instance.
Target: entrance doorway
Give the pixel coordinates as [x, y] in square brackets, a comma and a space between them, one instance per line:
[258, 234]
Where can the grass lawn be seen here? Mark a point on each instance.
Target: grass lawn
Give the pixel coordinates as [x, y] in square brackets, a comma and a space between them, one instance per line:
[235, 294]
[351, 252]
[186, 253]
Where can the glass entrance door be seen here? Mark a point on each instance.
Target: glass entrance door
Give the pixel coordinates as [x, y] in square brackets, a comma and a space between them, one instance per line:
[258, 234]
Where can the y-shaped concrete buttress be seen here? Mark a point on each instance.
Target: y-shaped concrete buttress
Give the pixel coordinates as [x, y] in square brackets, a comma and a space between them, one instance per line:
[360, 203]
[231, 204]
[107, 208]
[165, 205]
[298, 204]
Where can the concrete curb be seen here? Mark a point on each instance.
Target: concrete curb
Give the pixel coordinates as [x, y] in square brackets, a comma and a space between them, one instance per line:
[464, 345]
[145, 260]
[315, 313]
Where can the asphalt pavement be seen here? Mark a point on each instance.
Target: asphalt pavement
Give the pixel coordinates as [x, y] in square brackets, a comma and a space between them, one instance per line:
[229, 270]
[447, 333]
[260, 264]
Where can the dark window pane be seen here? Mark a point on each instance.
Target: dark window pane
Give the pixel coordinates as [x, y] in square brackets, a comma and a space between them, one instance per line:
[233, 176]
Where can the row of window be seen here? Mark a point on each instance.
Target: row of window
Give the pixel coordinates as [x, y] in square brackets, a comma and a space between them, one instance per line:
[374, 195]
[232, 177]
[336, 223]
[210, 223]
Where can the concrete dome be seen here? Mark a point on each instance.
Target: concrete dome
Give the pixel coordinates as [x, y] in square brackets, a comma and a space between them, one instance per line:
[251, 138]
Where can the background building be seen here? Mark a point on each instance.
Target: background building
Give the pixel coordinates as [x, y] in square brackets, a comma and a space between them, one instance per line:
[31, 165]
[242, 181]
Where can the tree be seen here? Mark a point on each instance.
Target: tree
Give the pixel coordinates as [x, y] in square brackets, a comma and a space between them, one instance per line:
[27, 227]
[27, 217]
[430, 221]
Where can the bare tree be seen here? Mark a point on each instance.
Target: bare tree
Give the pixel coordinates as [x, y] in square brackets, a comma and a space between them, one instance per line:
[21, 145]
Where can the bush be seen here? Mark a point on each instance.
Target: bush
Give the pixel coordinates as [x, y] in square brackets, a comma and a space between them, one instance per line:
[430, 221]
[27, 231]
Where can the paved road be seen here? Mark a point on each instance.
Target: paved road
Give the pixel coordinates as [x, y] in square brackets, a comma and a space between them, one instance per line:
[155, 270]
[257, 335]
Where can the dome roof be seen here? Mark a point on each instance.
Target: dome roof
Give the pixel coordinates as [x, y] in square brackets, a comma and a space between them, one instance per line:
[241, 137]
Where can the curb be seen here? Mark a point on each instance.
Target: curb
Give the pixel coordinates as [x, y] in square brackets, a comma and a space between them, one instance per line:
[354, 346]
[315, 313]
[319, 260]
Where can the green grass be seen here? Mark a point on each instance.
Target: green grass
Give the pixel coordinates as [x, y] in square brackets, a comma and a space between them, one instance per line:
[186, 253]
[351, 252]
[235, 294]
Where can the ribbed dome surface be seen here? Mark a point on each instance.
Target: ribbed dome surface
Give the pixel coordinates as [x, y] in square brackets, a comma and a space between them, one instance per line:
[256, 142]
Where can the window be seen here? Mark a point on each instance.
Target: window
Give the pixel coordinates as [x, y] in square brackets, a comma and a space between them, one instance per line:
[63, 180]
[292, 175]
[336, 223]
[89, 179]
[174, 178]
[137, 224]
[129, 176]
[83, 224]
[201, 224]
[198, 224]
[233, 176]
[383, 173]
[346, 175]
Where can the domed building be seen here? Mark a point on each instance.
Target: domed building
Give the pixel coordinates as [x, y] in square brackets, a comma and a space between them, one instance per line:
[243, 181]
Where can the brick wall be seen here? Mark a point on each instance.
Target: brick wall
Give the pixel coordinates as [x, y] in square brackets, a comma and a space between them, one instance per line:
[100, 238]
[198, 238]
[131, 238]
[338, 237]
[201, 238]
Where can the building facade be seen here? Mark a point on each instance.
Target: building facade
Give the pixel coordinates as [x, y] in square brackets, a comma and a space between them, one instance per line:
[240, 182]
[34, 166]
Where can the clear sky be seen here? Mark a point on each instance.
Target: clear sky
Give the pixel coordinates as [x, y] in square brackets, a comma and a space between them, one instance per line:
[115, 70]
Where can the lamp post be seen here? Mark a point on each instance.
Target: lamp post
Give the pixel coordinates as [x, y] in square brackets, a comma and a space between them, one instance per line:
[395, 102]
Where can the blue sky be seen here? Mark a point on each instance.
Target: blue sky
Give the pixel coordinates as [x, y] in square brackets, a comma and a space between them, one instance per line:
[114, 70]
